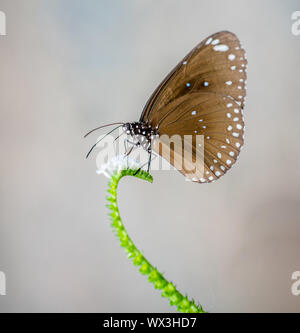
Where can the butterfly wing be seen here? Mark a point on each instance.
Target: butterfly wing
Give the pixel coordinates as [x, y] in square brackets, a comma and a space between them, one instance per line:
[209, 79]
[217, 119]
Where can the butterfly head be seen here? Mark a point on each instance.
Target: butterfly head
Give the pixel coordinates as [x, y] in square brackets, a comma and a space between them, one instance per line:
[127, 128]
[140, 128]
[141, 132]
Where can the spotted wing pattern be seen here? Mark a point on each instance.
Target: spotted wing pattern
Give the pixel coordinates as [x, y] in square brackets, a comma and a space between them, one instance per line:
[222, 133]
[204, 94]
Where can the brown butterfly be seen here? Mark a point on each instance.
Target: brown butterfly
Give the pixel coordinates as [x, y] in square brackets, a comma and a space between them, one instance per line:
[203, 95]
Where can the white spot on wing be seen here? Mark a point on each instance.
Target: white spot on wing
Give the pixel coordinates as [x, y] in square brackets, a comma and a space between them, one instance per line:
[208, 41]
[215, 42]
[221, 48]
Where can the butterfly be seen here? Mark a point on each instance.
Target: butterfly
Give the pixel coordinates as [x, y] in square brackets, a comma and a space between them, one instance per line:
[203, 95]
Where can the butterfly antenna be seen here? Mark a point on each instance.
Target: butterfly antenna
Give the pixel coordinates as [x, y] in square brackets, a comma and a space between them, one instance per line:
[102, 139]
[95, 129]
[118, 136]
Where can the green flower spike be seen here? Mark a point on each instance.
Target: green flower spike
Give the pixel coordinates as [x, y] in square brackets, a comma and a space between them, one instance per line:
[115, 170]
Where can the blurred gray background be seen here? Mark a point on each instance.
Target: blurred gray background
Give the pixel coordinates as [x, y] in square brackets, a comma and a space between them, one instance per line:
[68, 66]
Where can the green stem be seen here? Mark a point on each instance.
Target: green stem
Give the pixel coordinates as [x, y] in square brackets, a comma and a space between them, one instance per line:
[168, 289]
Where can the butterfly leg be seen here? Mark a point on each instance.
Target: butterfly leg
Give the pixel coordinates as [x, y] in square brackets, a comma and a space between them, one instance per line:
[128, 151]
[149, 162]
[126, 142]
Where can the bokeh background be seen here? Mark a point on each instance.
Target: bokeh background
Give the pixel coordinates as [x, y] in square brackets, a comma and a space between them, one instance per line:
[68, 66]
